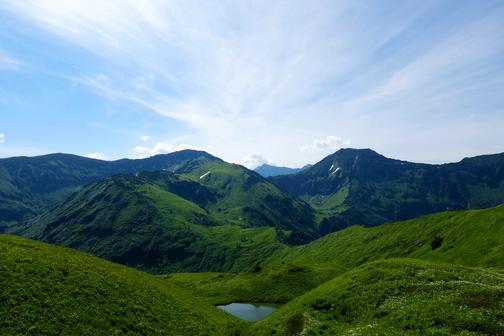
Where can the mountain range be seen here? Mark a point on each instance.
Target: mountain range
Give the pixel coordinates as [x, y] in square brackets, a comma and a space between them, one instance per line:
[356, 244]
[363, 187]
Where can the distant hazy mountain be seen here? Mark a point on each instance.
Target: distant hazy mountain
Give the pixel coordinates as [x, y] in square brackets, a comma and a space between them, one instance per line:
[360, 186]
[267, 170]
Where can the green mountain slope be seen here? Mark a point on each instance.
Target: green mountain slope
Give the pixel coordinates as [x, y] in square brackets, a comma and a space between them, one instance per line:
[355, 186]
[396, 297]
[31, 185]
[246, 198]
[232, 193]
[49, 290]
[136, 220]
[469, 237]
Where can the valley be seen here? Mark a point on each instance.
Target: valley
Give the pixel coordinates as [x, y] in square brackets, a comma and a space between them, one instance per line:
[251, 168]
[200, 233]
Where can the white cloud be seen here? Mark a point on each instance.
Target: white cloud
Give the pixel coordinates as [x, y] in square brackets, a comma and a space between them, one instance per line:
[331, 142]
[96, 155]
[160, 148]
[145, 138]
[2, 137]
[253, 160]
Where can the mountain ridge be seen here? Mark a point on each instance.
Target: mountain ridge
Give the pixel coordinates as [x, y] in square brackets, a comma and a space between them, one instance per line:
[31, 185]
[360, 186]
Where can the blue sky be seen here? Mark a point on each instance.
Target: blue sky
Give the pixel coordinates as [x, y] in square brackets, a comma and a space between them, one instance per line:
[284, 82]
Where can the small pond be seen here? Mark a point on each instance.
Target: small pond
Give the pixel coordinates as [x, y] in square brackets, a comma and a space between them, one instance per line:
[250, 311]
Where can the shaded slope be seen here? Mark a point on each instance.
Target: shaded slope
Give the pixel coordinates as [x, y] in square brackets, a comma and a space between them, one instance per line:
[396, 297]
[136, 220]
[360, 186]
[49, 290]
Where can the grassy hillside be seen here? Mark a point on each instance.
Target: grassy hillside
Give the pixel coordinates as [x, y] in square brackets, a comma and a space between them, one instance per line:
[470, 237]
[396, 297]
[135, 220]
[49, 290]
[278, 283]
[360, 186]
[249, 200]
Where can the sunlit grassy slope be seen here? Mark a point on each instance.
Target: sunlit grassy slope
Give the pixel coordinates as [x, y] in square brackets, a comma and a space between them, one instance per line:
[48, 290]
[396, 297]
[473, 238]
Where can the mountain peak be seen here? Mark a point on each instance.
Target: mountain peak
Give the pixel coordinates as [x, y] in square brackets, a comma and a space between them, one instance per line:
[188, 154]
[356, 151]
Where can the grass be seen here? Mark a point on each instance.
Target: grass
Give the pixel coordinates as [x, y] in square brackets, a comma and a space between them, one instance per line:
[270, 284]
[473, 238]
[470, 237]
[247, 199]
[339, 284]
[130, 220]
[396, 297]
[48, 290]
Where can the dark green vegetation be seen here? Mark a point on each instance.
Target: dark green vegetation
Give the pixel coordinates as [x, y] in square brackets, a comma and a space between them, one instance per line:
[49, 290]
[192, 212]
[396, 297]
[267, 170]
[363, 187]
[164, 222]
[469, 237]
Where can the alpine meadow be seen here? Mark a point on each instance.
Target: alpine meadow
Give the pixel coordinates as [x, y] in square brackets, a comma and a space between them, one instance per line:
[251, 168]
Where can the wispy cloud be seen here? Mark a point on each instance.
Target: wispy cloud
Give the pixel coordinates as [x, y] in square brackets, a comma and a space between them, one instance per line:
[329, 143]
[2, 137]
[160, 148]
[253, 160]
[269, 77]
[221, 68]
[8, 62]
